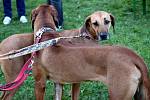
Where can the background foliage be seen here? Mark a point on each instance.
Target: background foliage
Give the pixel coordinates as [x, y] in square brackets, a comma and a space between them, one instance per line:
[132, 30]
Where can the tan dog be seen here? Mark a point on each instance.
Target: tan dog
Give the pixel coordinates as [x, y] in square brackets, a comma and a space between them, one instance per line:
[74, 62]
[122, 70]
[102, 18]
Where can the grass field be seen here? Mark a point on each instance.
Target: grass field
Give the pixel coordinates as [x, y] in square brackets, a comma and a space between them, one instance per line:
[132, 31]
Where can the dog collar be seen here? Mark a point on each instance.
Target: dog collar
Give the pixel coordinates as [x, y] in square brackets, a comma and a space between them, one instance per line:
[86, 35]
[42, 30]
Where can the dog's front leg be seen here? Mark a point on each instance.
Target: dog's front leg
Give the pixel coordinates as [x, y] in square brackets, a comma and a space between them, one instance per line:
[40, 81]
[75, 91]
[58, 91]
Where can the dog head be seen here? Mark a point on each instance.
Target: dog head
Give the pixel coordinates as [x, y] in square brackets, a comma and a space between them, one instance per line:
[44, 16]
[98, 24]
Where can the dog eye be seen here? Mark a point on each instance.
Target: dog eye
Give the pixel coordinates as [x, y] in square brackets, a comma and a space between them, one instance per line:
[96, 23]
[106, 21]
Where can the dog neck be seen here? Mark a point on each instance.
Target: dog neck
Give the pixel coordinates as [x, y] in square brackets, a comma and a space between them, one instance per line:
[48, 25]
[85, 33]
[42, 30]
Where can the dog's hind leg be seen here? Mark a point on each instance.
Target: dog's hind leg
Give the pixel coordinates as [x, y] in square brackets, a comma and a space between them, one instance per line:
[75, 91]
[11, 69]
[123, 84]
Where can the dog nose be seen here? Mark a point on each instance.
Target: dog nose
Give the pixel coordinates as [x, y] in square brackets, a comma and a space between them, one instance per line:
[104, 35]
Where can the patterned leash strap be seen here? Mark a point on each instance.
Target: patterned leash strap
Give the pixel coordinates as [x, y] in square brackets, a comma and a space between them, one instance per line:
[33, 48]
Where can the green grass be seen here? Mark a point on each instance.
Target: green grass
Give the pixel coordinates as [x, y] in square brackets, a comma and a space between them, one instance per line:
[131, 31]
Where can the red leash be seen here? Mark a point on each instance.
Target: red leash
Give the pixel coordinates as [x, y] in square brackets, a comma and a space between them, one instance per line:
[27, 68]
[24, 73]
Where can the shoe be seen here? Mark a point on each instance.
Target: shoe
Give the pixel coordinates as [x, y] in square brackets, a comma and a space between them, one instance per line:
[6, 20]
[60, 28]
[23, 19]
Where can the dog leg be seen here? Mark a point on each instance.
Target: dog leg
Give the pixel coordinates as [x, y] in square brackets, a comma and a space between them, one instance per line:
[40, 89]
[58, 91]
[123, 85]
[40, 82]
[11, 69]
[75, 91]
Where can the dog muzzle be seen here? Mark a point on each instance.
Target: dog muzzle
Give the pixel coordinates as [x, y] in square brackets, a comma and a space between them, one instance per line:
[103, 36]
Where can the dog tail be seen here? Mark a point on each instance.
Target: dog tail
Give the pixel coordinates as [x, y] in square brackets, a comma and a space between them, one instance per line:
[141, 93]
[143, 90]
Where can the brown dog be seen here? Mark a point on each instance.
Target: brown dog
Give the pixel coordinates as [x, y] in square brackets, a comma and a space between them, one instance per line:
[122, 70]
[74, 62]
[102, 18]
[12, 67]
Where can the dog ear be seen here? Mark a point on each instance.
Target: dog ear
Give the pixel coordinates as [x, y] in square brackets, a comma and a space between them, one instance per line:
[54, 14]
[33, 17]
[87, 22]
[86, 25]
[112, 22]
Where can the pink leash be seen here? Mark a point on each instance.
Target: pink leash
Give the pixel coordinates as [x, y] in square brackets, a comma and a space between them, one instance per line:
[25, 71]
[20, 79]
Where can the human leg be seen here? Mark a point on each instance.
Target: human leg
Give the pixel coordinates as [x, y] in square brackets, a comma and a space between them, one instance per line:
[58, 5]
[21, 10]
[7, 8]
[7, 11]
